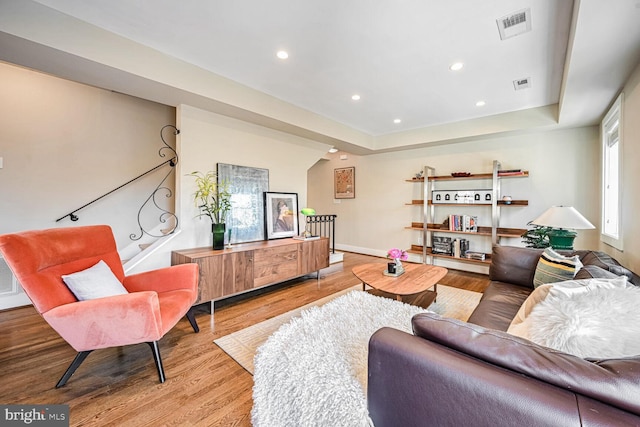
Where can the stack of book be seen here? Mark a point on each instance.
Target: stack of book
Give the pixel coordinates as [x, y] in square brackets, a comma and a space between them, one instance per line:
[466, 223]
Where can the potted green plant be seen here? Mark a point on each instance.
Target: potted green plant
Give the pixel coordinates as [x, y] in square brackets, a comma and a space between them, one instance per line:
[214, 201]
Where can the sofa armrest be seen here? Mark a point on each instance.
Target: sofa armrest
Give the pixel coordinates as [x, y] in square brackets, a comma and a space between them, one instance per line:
[615, 381]
[514, 265]
[416, 382]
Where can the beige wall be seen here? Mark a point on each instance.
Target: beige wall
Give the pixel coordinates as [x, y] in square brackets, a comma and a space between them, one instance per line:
[563, 167]
[630, 257]
[207, 139]
[65, 144]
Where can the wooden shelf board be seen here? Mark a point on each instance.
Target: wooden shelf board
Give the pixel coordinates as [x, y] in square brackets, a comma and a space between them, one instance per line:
[500, 203]
[482, 231]
[461, 178]
[524, 174]
[472, 176]
[514, 203]
[475, 176]
[415, 249]
[511, 233]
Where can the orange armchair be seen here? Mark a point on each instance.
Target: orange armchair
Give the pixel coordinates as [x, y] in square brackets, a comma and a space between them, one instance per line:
[155, 302]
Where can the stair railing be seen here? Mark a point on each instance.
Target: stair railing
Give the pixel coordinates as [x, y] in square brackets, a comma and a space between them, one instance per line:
[164, 215]
[323, 225]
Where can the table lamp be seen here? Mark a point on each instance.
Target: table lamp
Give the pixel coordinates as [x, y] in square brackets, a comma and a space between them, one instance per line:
[563, 220]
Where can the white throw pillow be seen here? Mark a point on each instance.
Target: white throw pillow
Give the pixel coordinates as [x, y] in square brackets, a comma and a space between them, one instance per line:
[538, 295]
[94, 282]
[594, 320]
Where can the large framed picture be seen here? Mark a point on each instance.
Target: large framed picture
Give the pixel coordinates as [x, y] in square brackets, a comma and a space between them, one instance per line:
[245, 221]
[281, 215]
[344, 182]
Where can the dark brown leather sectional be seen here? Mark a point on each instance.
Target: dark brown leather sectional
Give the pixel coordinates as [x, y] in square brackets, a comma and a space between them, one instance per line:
[453, 373]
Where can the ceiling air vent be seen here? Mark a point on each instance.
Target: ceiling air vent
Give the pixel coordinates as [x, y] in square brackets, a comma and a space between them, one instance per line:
[522, 83]
[514, 24]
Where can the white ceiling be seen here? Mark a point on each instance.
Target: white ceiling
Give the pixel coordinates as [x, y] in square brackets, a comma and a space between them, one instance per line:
[394, 54]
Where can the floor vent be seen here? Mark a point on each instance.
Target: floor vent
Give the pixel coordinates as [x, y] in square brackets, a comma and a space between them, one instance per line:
[522, 83]
[514, 24]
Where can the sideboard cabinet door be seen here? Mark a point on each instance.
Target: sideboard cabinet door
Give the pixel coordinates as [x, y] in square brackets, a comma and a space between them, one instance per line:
[315, 255]
[275, 264]
[237, 272]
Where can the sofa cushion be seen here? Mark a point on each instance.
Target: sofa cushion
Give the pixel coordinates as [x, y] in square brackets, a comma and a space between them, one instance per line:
[553, 267]
[499, 304]
[514, 265]
[615, 381]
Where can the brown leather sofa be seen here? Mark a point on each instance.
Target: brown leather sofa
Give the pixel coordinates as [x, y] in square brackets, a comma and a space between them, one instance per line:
[453, 373]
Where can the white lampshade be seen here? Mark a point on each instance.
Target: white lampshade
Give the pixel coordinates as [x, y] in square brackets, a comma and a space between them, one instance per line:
[566, 217]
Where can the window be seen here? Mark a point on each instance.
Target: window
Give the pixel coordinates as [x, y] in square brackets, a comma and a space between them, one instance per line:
[611, 233]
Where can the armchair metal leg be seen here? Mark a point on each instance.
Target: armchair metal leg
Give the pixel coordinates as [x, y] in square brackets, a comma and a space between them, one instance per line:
[192, 320]
[72, 368]
[156, 358]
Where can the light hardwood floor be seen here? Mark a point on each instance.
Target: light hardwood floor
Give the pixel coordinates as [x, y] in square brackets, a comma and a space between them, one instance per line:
[204, 386]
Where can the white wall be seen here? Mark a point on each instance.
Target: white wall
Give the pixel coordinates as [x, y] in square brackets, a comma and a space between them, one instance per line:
[563, 167]
[64, 144]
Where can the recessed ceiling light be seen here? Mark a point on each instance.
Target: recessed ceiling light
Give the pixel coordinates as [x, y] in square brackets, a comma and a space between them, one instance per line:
[282, 54]
[480, 104]
[333, 150]
[356, 97]
[456, 66]
[396, 121]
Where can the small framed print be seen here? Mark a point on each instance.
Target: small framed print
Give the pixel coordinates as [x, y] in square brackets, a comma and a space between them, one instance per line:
[281, 215]
[344, 183]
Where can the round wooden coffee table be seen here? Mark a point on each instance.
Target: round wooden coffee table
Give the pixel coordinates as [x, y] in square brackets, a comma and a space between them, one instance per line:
[412, 287]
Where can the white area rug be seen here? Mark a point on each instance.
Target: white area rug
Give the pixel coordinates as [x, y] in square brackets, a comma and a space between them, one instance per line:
[243, 344]
[313, 370]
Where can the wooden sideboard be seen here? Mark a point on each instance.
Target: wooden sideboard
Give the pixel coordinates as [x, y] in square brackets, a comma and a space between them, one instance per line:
[248, 266]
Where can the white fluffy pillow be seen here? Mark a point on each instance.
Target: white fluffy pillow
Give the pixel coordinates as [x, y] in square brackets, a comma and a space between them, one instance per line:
[594, 318]
[94, 282]
[567, 287]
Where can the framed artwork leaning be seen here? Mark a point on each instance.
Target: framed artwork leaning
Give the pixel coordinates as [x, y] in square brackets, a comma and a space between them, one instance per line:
[344, 183]
[281, 215]
[245, 221]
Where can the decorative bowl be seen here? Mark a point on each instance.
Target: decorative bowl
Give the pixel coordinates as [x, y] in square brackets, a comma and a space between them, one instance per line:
[460, 174]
